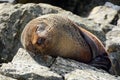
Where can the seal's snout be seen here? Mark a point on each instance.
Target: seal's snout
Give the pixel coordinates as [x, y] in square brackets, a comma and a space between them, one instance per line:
[41, 41]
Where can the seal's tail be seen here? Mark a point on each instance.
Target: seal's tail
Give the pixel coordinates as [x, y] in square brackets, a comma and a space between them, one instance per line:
[101, 62]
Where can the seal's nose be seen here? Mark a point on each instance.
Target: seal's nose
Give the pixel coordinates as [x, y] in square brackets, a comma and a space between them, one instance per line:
[40, 41]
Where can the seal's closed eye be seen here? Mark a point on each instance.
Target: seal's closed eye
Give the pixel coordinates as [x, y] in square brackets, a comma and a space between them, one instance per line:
[40, 41]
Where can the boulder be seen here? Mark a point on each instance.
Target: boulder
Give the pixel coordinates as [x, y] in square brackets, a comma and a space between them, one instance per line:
[113, 47]
[103, 15]
[2, 77]
[23, 66]
[109, 4]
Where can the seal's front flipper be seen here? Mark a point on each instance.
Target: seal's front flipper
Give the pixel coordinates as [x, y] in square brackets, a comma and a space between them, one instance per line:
[101, 62]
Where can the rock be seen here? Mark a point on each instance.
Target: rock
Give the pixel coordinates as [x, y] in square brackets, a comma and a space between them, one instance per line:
[103, 15]
[13, 19]
[73, 70]
[2, 77]
[24, 66]
[107, 28]
[113, 47]
[118, 23]
[86, 75]
[64, 66]
[113, 40]
[115, 59]
[31, 58]
[109, 4]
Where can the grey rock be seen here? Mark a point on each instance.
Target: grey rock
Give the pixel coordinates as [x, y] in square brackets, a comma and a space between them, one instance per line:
[109, 4]
[118, 23]
[103, 14]
[107, 28]
[115, 60]
[2, 77]
[73, 70]
[25, 56]
[113, 47]
[23, 66]
[113, 40]
[64, 66]
[114, 33]
[86, 75]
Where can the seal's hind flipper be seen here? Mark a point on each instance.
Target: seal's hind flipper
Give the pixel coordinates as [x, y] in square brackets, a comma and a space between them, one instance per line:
[101, 62]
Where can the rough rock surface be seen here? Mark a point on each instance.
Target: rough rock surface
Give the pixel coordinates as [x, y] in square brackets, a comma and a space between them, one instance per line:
[107, 14]
[13, 19]
[113, 44]
[23, 66]
[113, 47]
[2, 77]
[102, 14]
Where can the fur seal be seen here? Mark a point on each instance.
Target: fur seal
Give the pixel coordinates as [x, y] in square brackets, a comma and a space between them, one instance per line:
[57, 35]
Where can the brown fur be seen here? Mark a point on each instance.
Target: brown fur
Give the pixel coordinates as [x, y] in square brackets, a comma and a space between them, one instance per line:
[61, 37]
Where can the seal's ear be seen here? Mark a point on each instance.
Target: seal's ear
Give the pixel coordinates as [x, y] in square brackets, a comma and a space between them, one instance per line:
[41, 27]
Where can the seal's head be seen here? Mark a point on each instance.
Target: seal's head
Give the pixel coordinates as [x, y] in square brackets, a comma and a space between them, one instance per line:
[38, 35]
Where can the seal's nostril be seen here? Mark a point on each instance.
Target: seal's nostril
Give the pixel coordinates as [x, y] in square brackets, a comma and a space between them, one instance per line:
[40, 41]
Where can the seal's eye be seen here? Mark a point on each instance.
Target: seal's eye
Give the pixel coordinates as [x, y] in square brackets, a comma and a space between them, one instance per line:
[40, 41]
